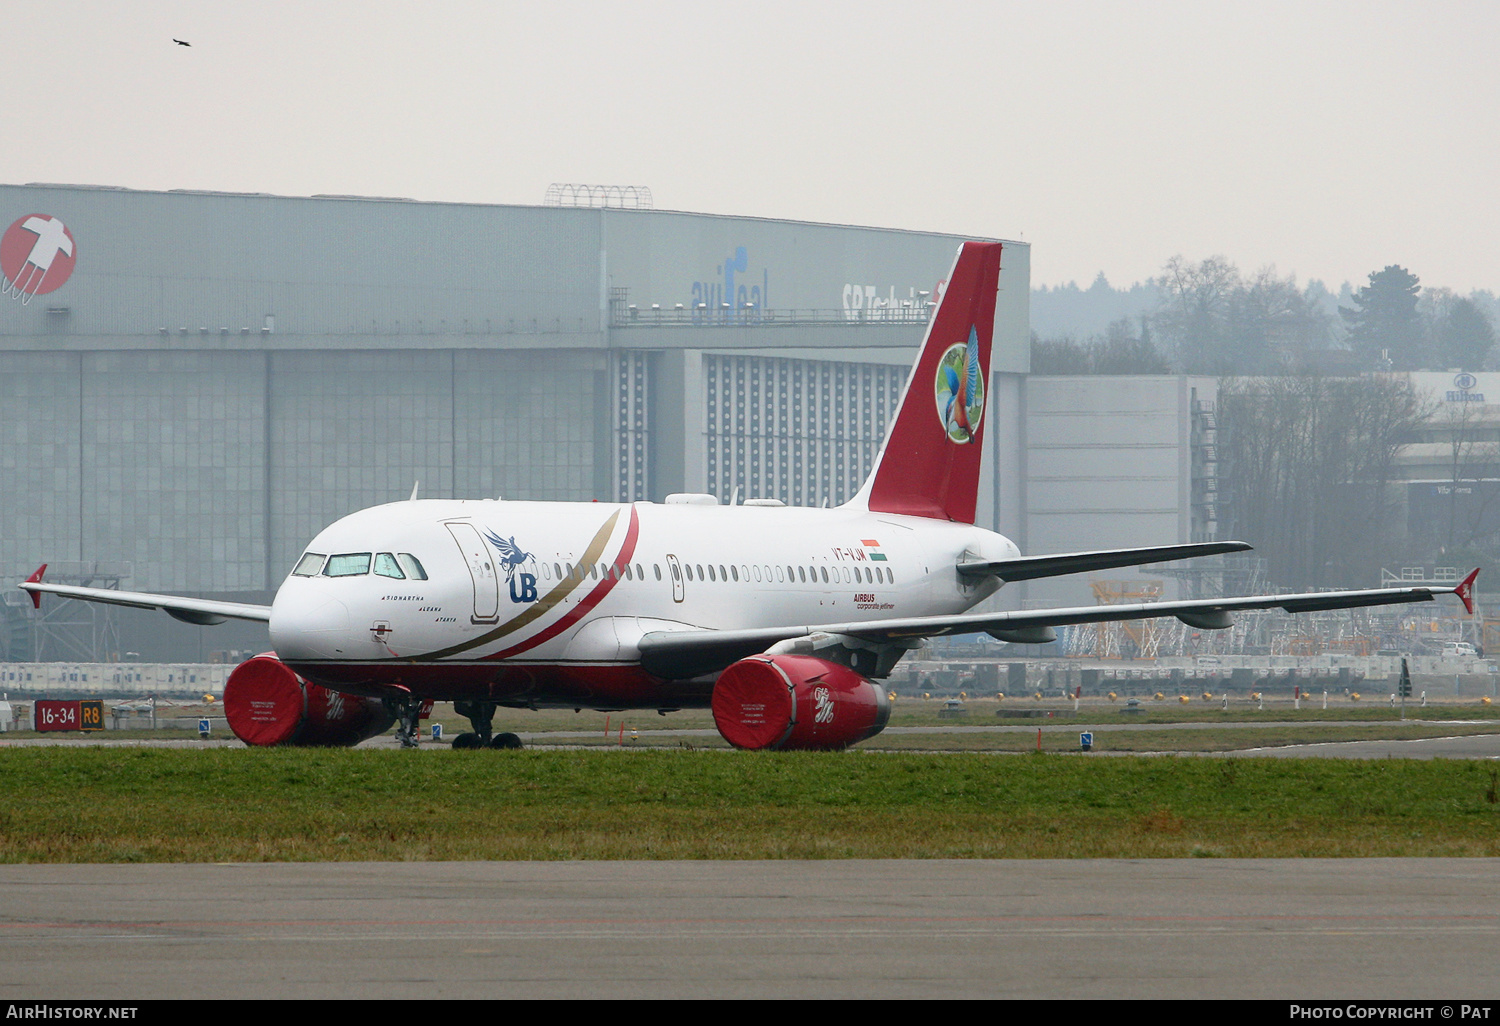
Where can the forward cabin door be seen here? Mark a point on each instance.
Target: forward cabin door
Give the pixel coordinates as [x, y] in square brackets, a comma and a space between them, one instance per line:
[482, 569]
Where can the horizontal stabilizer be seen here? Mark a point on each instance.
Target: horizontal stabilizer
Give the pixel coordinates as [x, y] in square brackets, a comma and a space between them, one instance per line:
[1029, 568]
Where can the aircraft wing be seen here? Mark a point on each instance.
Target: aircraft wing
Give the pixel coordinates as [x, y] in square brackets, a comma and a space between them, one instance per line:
[1029, 568]
[204, 612]
[676, 655]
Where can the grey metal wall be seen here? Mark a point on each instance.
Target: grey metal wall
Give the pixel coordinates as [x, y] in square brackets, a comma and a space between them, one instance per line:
[1110, 462]
[806, 286]
[205, 271]
[210, 471]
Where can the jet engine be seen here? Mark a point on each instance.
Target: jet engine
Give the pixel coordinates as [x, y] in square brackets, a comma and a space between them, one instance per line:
[267, 704]
[795, 702]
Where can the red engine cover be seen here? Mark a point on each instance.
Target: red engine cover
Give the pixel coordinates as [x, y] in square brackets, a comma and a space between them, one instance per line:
[267, 704]
[792, 702]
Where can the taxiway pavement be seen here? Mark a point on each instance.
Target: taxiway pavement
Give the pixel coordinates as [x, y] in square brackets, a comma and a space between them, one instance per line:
[1322, 928]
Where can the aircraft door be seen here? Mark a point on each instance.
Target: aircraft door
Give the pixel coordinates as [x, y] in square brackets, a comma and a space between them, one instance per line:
[482, 569]
[675, 569]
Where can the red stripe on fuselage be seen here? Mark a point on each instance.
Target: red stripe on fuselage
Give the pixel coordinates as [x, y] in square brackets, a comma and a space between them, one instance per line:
[589, 601]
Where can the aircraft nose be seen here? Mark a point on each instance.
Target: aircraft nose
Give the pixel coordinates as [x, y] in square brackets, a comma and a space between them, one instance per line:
[308, 626]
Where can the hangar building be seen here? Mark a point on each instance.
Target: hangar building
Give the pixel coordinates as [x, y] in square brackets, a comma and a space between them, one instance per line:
[194, 383]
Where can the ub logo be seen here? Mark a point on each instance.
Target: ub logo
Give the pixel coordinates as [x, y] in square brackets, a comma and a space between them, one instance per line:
[822, 706]
[335, 705]
[527, 586]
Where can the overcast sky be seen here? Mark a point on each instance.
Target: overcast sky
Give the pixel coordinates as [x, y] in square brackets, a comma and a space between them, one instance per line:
[1328, 138]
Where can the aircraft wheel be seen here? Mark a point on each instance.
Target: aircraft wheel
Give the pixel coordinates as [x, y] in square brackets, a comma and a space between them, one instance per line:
[467, 740]
[505, 741]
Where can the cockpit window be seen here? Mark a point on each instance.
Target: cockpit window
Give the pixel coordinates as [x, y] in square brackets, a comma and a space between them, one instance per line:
[385, 566]
[309, 564]
[412, 566]
[348, 564]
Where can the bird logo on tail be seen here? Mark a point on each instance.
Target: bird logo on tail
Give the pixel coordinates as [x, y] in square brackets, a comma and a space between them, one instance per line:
[960, 390]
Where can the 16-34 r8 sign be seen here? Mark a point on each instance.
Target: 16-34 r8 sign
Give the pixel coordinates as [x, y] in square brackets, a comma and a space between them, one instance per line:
[51, 714]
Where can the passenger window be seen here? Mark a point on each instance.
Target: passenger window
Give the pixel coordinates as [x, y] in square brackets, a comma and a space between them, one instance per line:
[309, 565]
[801, 575]
[412, 566]
[642, 573]
[674, 571]
[722, 575]
[735, 571]
[348, 564]
[700, 571]
[628, 575]
[657, 568]
[711, 575]
[386, 566]
[823, 570]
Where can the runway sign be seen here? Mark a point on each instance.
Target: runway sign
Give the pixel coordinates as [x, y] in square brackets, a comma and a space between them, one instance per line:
[51, 714]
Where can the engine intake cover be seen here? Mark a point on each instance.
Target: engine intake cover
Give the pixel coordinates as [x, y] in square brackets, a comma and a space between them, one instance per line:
[267, 704]
[793, 702]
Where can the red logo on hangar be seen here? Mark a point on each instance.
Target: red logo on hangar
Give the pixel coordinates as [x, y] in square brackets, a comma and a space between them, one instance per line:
[36, 256]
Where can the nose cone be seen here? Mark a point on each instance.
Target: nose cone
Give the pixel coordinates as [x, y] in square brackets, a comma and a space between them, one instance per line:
[307, 624]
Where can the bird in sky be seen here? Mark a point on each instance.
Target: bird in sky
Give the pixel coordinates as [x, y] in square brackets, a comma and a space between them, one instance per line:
[179, 42]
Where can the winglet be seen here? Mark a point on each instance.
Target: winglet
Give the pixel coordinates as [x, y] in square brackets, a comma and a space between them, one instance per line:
[36, 578]
[1465, 590]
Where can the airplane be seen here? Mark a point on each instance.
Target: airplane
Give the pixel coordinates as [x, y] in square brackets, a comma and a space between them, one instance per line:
[780, 619]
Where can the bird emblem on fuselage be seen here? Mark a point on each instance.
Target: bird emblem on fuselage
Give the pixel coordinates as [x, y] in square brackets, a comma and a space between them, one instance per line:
[511, 555]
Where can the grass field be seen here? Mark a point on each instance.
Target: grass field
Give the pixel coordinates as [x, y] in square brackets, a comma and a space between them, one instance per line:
[97, 804]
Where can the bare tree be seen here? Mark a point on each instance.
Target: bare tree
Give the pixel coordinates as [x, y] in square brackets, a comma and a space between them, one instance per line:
[1309, 461]
[1197, 300]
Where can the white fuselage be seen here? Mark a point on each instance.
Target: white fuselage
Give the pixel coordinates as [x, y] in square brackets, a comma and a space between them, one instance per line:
[547, 600]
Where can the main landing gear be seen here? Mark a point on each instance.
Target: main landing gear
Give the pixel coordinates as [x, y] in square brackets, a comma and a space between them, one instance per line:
[481, 716]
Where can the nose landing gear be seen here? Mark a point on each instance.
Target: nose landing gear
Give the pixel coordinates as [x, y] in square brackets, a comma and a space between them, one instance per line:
[407, 709]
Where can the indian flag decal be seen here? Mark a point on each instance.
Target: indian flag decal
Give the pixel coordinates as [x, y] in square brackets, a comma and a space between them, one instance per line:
[873, 548]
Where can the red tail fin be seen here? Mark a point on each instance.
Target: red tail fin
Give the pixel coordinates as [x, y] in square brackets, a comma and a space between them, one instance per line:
[929, 466]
